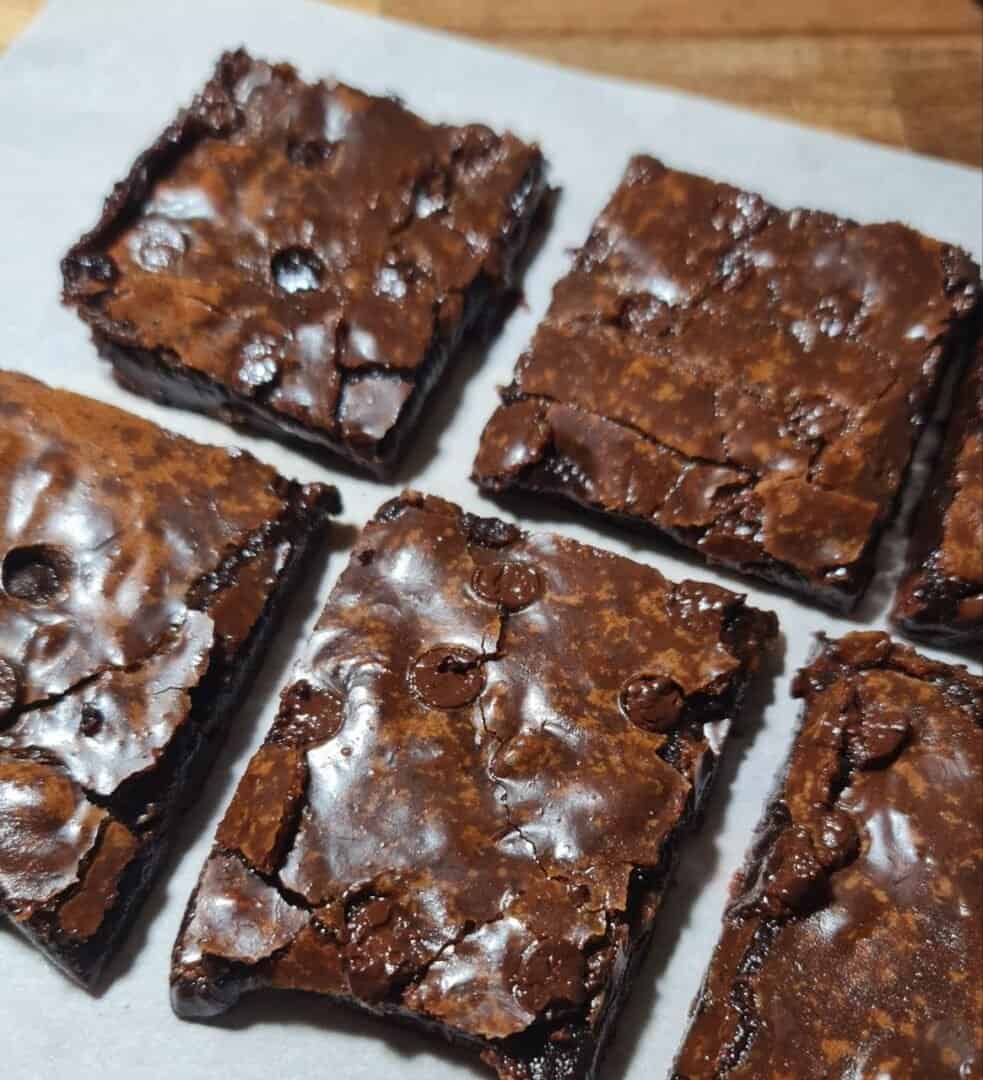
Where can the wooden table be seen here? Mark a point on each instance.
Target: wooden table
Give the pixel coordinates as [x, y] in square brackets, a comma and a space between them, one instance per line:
[904, 72]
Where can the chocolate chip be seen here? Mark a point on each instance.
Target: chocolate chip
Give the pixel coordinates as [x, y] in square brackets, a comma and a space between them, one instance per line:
[447, 676]
[652, 702]
[92, 720]
[9, 688]
[514, 585]
[297, 270]
[309, 151]
[35, 574]
[834, 838]
[791, 878]
[308, 716]
[371, 914]
[489, 532]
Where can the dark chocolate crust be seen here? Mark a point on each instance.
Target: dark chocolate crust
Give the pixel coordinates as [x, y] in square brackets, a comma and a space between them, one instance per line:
[940, 596]
[305, 259]
[747, 381]
[142, 575]
[466, 812]
[852, 945]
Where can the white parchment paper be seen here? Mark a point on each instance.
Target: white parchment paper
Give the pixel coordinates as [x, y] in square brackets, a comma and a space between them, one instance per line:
[81, 93]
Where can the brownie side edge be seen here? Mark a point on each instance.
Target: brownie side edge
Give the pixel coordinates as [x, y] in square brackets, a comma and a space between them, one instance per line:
[926, 602]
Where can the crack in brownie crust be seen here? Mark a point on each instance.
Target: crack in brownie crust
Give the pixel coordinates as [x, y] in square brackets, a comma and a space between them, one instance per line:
[940, 597]
[853, 944]
[139, 575]
[749, 381]
[465, 813]
[303, 257]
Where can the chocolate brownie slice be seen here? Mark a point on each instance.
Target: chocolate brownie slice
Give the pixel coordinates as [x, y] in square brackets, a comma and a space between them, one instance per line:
[304, 258]
[140, 576]
[748, 381]
[467, 809]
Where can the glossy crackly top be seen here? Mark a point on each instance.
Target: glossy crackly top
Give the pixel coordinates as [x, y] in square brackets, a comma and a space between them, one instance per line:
[118, 545]
[748, 380]
[853, 946]
[941, 595]
[450, 814]
[304, 245]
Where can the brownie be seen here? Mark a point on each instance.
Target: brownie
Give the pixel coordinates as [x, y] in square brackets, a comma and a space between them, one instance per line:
[748, 381]
[141, 576]
[852, 946]
[303, 258]
[940, 597]
[465, 813]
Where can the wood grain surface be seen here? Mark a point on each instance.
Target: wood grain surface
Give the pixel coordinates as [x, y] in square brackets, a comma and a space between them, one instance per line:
[904, 72]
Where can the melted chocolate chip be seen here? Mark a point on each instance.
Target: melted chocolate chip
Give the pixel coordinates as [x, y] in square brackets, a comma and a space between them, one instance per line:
[652, 702]
[490, 532]
[309, 151]
[513, 585]
[834, 838]
[307, 717]
[91, 721]
[37, 574]
[447, 676]
[792, 879]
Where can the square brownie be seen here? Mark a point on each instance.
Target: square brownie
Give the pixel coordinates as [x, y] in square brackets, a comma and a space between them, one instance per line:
[467, 809]
[140, 578]
[304, 258]
[852, 945]
[940, 597]
[748, 381]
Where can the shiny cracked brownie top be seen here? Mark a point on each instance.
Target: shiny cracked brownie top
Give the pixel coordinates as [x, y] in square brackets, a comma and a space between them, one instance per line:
[304, 246]
[941, 595]
[853, 946]
[747, 380]
[129, 559]
[468, 779]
